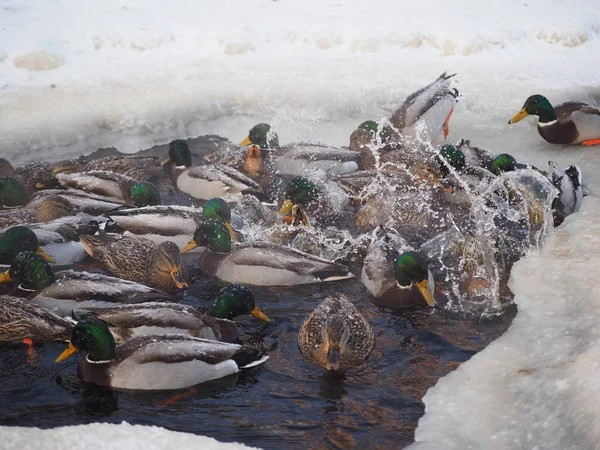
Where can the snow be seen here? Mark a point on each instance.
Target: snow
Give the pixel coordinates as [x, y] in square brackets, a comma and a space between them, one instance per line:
[108, 436]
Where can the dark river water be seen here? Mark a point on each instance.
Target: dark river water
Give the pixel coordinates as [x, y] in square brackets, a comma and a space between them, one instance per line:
[285, 403]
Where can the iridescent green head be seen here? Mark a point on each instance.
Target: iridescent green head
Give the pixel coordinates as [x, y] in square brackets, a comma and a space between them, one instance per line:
[30, 270]
[235, 300]
[211, 234]
[375, 129]
[145, 193]
[217, 209]
[12, 193]
[453, 156]
[503, 163]
[410, 268]
[19, 239]
[93, 337]
[536, 105]
[263, 136]
[179, 154]
[299, 191]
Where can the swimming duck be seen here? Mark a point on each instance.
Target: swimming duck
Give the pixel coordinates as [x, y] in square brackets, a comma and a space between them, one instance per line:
[425, 113]
[395, 274]
[262, 135]
[131, 320]
[45, 209]
[567, 123]
[259, 263]
[570, 190]
[141, 168]
[208, 181]
[154, 362]
[20, 319]
[140, 260]
[68, 290]
[12, 193]
[20, 239]
[336, 335]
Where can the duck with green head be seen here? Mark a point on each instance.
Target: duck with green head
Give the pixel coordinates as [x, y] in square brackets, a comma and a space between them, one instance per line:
[262, 135]
[395, 274]
[301, 192]
[259, 263]
[12, 193]
[20, 239]
[567, 123]
[147, 362]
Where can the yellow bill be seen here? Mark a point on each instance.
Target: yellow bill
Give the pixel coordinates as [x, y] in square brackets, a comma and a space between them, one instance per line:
[68, 352]
[246, 142]
[178, 278]
[519, 116]
[45, 255]
[189, 246]
[231, 231]
[5, 277]
[286, 208]
[256, 312]
[424, 290]
[164, 162]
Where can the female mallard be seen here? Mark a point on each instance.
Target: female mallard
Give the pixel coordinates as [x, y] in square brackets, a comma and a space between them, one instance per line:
[19, 239]
[22, 320]
[567, 123]
[113, 186]
[45, 209]
[172, 318]
[140, 260]
[154, 362]
[259, 263]
[336, 334]
[395, 274]
[208, 181]
[67, 290]
[425, 113]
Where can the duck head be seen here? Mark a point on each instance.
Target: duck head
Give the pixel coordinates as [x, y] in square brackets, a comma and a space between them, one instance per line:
[144, 193]
[536, 105]
[211, 234]
[235, 300]
[262, 135]
[20, 239]
[410, 268]
[12, 193]
[179, 154]
[218, 209]
[93, 337]
[30, 270]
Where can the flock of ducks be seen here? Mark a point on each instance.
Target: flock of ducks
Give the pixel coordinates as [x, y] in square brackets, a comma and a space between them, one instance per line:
[263, 214]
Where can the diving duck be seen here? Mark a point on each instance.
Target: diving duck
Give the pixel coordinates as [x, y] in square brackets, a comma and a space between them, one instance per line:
[20, 239]
[129, 320]
[425, 113]
[567, 123]
[336, 335]
[259, 263]
[140, 260]
[44, 209]
[208, 181]
[395, 274]
[154, 362]
[68, 290]
[570, 190]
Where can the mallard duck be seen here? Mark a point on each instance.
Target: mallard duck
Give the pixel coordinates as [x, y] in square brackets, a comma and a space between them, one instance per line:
[336, 335]
[12, 193]
[262, 135]
[395, 274]
[140, 260]
[369, 137]
[127, 321]
[68, 290]
[113, 187]
[305, 158]
[45, 209]
[74, 201]
[21, 320]
[19, 239]
[138, 167]
[154, 362]
[259, 263]
[570, 190]
[567, 123]
[425, 113]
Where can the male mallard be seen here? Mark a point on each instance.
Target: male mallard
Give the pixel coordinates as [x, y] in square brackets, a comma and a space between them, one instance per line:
[426, 112]
[20, 319]
[12, 193]
[262, 135]
[259, 263]
[19, 239]
[154, 362]
[567, 123]
[395, 274]
[172, 318]
[369, 136]
[570, 190]
[208, 181]
[73, 200]
[67, 290]
[141, 168]
[336, 334]
[140, 260]
[113, 186]
[45, 209]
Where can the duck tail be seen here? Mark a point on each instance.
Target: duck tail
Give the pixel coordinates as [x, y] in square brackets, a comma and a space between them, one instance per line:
[248, 357]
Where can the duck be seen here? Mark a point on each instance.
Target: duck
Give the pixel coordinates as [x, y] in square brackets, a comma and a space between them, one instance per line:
[395, 274]
[140, 260]
[426, 113]
[262, 135]
[138, 167]
[75, 201]
[20, 239]
[12, 193]
[130, 320]
[154, 362]
[336, 335]
[70, 290]
[38, 175]
[112, 186]
[259, 263]
[207, 181]
[23, 321]
[302, 159]
[567, 123]
[45, 209]
[570, 190]
[366, 138]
